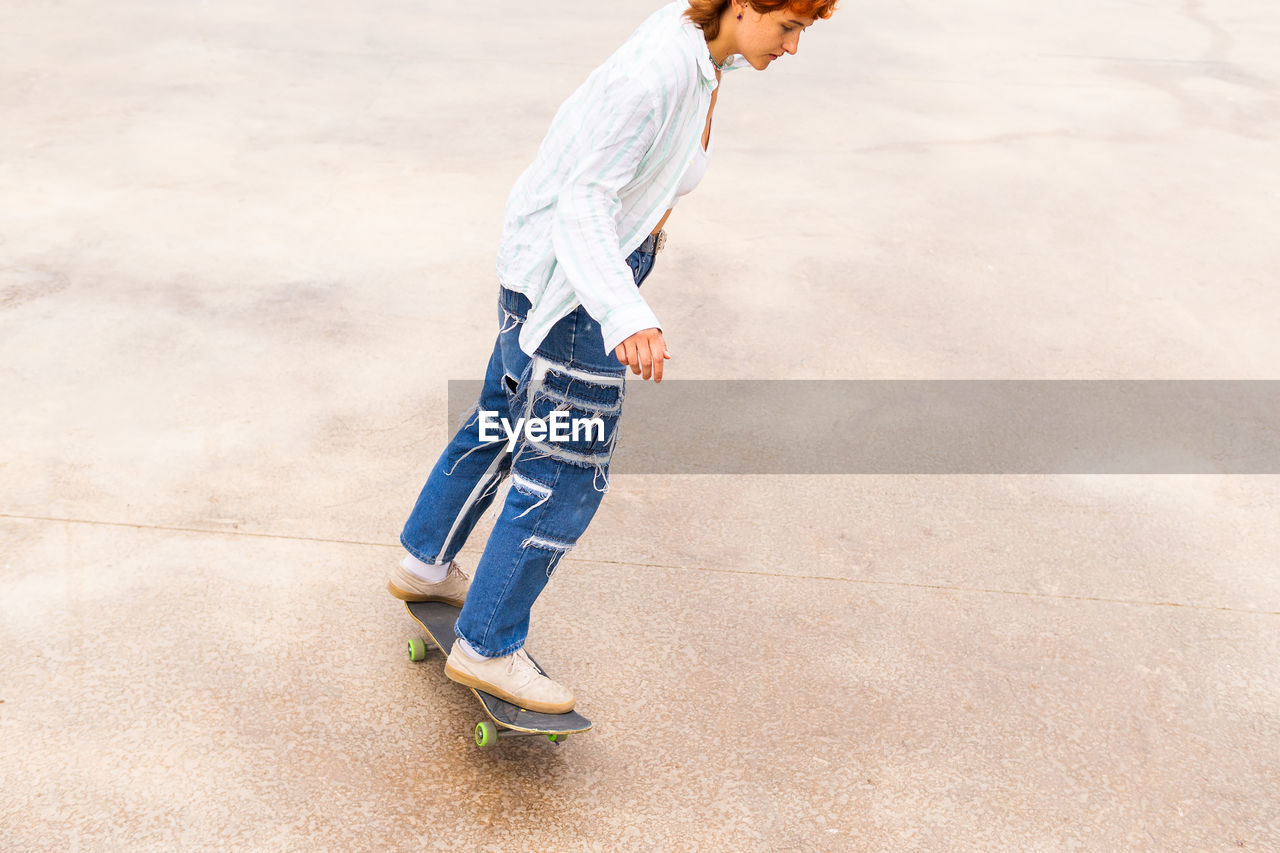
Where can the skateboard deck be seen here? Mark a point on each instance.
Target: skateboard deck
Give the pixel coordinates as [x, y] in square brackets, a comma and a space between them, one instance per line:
[504, 718]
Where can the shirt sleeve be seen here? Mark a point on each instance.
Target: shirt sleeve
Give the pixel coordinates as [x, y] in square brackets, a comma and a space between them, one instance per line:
[610, 147]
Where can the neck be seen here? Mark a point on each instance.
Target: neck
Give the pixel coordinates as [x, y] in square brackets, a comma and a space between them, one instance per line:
[720, 52]
[724, 45]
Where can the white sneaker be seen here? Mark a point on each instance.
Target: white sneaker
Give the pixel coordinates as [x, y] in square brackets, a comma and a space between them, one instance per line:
[513, 678]
[407, 586]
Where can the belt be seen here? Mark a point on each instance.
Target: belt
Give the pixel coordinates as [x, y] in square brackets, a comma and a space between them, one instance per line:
[654, 243]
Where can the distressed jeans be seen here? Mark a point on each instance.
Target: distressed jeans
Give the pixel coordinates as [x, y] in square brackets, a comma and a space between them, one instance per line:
[556, 486]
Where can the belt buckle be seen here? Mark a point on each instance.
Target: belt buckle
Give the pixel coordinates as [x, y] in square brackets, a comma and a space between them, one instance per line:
[661, 242]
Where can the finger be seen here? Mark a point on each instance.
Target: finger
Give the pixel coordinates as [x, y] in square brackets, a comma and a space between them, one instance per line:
[621, 353]
[633, 357]
[656, 350]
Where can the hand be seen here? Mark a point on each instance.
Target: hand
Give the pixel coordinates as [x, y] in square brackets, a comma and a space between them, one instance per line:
[644, 352]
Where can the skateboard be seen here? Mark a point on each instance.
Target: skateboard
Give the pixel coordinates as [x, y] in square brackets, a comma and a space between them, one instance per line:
[504, 719]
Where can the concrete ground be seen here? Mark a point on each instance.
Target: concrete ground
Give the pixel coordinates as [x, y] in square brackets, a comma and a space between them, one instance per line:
[243, 246]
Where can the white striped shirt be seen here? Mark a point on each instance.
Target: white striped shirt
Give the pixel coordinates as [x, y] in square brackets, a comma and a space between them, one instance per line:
[603, 177]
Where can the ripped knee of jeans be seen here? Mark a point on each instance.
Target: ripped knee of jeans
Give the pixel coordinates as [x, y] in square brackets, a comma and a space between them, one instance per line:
[531, 488]
[556, 549]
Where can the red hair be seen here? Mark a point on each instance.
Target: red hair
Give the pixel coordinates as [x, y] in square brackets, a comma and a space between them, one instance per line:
[707, 13]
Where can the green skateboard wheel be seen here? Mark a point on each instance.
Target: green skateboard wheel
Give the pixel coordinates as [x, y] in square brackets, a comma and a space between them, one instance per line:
[557, 738]
[417, 649]
[486, 734]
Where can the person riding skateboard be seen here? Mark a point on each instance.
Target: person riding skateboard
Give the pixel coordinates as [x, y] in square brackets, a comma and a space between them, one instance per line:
[581, 230]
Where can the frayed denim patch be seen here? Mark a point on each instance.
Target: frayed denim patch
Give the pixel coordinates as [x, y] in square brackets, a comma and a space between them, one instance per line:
[533, 489]
[591, 402]
[558, 549]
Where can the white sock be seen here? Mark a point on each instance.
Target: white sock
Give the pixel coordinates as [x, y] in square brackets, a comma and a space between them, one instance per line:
[426, 571]
[470, 652]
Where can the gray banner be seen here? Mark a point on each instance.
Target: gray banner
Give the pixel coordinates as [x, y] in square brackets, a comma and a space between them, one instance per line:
[942, 426]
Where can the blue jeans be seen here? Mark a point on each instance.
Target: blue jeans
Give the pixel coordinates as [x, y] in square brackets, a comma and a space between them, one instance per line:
[556, 487]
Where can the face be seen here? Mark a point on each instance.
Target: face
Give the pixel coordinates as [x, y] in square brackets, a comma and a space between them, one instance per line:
[764, 38]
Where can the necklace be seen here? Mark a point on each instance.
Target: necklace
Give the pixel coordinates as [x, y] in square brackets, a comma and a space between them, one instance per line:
[720, 66]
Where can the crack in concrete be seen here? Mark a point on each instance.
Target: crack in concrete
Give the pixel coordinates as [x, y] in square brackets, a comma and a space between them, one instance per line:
[704, 569]
[204, 530]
